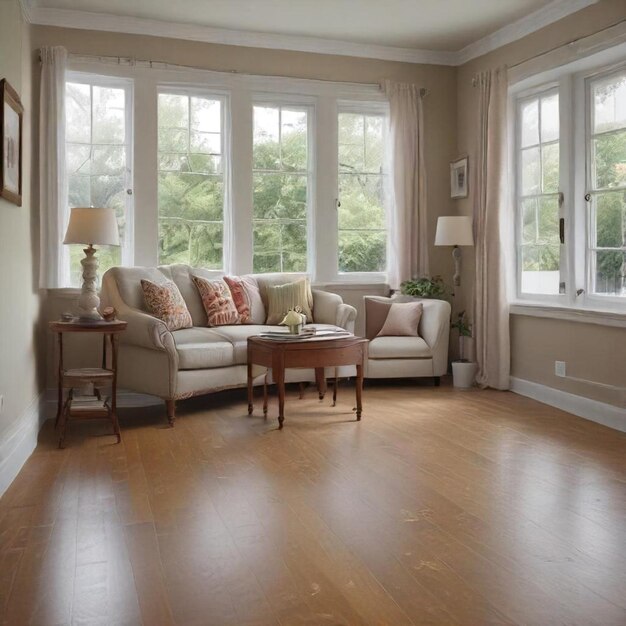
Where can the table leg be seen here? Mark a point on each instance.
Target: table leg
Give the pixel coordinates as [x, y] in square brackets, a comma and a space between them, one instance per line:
[64, 417]
[320, 379]
[335, 388]
[278, 373]
[359, 391]
[265, 397]
[116, 424]
[60, 378]
[250, 390]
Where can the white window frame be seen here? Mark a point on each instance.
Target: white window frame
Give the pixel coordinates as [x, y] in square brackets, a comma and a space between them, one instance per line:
[573, 81]
[225, 139]
[114, 82]
[240, 92]
[308, 104]
[363, 107]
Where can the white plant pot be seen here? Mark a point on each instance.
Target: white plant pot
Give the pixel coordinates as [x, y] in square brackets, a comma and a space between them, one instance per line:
[463, 374]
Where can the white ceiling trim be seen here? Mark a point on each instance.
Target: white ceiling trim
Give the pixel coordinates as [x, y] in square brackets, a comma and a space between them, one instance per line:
[552, 12]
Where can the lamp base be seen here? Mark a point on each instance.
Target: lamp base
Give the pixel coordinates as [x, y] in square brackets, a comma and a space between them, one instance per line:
[456, 255]
[88, 302]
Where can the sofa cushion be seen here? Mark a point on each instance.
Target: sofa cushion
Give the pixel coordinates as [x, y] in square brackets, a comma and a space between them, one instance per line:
[128, 281]
[283, 298]
[217, 301]
[165, 302]
[399, 348]
[402, 320]
[202, 348]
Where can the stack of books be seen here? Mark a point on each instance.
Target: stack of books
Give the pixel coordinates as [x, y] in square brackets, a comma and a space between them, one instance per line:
[308, 332]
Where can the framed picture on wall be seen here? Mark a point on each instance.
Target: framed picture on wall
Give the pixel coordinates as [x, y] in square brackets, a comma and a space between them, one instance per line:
[11, 112]
[458, 178]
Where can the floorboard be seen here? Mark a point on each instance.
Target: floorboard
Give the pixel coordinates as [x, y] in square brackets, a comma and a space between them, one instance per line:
[441, 506]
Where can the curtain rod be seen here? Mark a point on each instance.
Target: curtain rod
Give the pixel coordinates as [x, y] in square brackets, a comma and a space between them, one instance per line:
[152, 64]
[563, 45]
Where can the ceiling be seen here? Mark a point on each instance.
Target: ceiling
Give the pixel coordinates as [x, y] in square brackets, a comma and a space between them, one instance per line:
[432, 25]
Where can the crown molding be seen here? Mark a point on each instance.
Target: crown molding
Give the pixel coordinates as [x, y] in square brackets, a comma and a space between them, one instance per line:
[552, 12]
[84, 20]
[68, 18]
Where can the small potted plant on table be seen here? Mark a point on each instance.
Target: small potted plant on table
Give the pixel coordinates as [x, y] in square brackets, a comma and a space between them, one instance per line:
[463, 370]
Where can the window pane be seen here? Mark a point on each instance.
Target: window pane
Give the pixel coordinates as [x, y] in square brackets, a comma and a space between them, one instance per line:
[540, 269]
[96, 154]
[530, 123]
[361, 214]
[531, 171]
[362, 251]
[610, 219]
[610, 275]
[550, 118]
[609, 154]
[529, 220]
[609, 104]
[191, 182]
[550, 168]
[280, 189]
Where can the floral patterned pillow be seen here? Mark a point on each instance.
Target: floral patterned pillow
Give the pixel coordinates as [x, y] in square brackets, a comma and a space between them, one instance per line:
[217, 301]
[166, 302]
[240, 298]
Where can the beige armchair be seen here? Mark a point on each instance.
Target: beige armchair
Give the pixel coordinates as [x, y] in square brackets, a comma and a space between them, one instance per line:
[408, 357]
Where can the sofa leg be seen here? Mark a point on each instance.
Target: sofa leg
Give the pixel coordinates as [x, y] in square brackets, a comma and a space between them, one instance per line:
[170, 406]
[437, 380]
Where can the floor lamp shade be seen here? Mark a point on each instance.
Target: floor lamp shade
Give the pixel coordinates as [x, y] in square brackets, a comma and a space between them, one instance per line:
[91, 226]
[455, 231]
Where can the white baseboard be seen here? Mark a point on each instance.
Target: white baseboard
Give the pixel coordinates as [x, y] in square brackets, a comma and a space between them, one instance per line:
[20, 442]
[600, 412]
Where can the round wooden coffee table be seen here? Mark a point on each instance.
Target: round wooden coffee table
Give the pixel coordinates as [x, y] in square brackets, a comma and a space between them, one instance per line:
[313, 353]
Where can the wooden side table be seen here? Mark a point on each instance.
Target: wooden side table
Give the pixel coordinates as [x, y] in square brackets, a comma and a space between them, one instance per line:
[101, 377]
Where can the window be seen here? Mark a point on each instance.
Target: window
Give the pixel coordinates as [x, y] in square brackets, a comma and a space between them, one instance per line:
[539, 246]
[98, 159]
[362, 231]
[191, 180]
[570, 182]
[281, 188]
[607, 185]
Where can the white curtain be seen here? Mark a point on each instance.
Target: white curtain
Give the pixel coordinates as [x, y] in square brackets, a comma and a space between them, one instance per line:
[491, 313]
[408, 225]
[53, 211]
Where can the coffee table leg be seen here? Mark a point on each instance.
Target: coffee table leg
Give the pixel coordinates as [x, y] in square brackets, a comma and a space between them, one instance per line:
[335, 389]
[278, 373]
[265, 396]
[359, 391]
[250, 406]
[320, 379]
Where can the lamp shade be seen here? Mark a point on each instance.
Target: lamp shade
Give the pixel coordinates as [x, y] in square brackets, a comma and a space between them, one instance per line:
[454, 231]
[92, 226]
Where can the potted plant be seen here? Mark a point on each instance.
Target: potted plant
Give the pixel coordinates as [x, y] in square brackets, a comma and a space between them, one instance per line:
[424, 287]
[463, 370]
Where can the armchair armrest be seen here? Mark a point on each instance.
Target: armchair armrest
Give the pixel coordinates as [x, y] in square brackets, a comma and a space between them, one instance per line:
[329, 308]
[346, 317]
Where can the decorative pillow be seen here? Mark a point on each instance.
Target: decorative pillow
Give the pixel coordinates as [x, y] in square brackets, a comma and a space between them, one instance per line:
[281, 298]
[247, 299]
[166, 302]
[217, 301]
[402, 320]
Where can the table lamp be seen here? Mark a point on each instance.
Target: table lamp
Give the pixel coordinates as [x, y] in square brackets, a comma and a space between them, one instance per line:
[455, 231]
[91, 226]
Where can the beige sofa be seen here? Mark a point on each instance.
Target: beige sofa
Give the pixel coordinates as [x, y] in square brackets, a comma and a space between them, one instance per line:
[408, 357]
[198, 360]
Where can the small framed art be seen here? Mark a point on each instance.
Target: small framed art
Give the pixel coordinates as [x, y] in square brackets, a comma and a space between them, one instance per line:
[11, 112]
[458, 178]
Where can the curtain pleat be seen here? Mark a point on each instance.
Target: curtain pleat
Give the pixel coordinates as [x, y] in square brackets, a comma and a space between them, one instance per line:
[408, 224]
[491, 220]
[53, 209]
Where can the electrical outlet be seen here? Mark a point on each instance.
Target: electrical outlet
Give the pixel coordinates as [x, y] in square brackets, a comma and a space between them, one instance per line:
[559, 368]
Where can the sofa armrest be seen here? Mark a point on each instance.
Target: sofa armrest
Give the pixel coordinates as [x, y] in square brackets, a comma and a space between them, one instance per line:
[435, 330]
[145, 331]
[346, 317]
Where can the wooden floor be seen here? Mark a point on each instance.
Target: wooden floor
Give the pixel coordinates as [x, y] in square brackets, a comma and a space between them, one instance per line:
[440, 507]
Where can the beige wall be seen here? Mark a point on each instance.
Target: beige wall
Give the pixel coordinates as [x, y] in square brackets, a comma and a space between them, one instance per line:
[590, 351]
[440, 104]
[20, 382]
